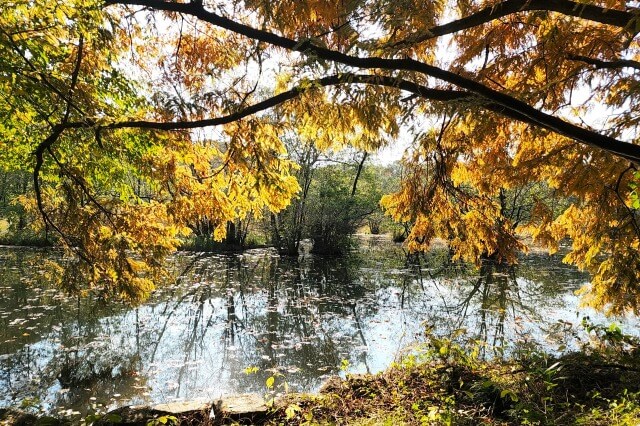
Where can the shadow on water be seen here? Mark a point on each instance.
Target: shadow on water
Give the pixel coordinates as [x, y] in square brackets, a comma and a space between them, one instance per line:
[299, 319]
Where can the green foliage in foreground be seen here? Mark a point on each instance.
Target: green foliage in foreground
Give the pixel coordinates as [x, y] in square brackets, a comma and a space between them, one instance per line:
[447, 383]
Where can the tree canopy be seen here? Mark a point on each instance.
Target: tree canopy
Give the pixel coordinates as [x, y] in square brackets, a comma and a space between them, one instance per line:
[138, 117]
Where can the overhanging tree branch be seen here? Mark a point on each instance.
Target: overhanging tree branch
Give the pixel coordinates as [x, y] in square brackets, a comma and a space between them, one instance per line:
[358, 171]
[461, 98]
[515, 106]
[600, 64]
[74, 78]
[39, 154]
[617, 18]
[419, 91]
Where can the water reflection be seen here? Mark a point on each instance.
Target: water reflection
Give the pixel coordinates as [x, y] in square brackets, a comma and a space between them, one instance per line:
[297, 318]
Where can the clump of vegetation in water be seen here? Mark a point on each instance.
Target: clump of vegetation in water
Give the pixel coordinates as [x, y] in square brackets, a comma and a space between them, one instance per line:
[447, 382]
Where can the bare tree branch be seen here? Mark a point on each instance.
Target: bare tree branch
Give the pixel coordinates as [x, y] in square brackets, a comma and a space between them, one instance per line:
[359, 170]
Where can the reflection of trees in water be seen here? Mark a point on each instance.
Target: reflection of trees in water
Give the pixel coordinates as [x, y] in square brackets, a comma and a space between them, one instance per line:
[298, 316]
[499, 304]
[75, 365]
[275, 312]
[252, 330]
[42, 328]
[28, 304]
[497, 291]
[304, 321]
[80, 346]
[307, 314]
[191, 307]
[303, 314]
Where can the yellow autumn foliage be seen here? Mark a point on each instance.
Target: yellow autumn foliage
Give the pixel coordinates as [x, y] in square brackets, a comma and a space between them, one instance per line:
[138, 118]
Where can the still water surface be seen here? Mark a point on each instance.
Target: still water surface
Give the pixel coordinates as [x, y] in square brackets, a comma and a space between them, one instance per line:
[299, 319]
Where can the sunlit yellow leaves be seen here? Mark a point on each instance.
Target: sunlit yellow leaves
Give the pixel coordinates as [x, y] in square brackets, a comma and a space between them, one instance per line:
[203, 54]
[342, 116]
[122, 199]
[308, 19]
[224, 181]
[608, 249]
[104, 232]
[450, 210]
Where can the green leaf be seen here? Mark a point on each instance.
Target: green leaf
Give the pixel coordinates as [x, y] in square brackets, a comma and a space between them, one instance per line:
[344, 365]
[112, 418]
[251, 370]
[510, 394]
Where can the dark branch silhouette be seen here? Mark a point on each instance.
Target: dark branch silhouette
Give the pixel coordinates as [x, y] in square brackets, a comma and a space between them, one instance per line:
[617, 18]
[510, 104]
[461, 98]
[600, 64]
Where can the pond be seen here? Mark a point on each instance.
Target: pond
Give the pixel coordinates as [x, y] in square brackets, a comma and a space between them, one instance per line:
[228, 322]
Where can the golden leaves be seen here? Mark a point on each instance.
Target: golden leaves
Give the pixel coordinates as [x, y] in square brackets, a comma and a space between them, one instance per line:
[362, 116]
[134, 193]
[437, 197]
[308, 19]
[484, 185]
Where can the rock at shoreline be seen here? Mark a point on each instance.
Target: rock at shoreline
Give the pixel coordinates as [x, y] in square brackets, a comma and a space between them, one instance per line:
[187, 412]
[332, 385]
[244, 409]
[183, 407]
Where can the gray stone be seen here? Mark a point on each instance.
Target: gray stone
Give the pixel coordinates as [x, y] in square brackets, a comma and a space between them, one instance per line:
[188, 413]
[243, 409]
[182, 407]
[246, 409]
